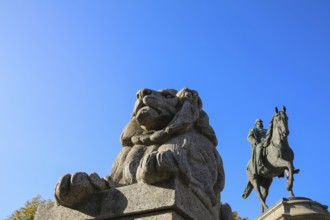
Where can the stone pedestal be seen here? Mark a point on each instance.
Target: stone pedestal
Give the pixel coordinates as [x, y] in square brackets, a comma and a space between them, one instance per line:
[297, 208]
[139, 201]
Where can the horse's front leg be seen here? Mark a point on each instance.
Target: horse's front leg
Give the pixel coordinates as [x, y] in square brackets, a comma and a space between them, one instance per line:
[289, 167]
[287, 176]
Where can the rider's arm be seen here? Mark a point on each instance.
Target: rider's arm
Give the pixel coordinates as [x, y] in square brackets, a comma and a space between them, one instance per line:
[251, 138]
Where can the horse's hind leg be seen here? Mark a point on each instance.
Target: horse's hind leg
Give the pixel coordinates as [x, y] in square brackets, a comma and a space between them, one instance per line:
[256, 187]
[264, 187]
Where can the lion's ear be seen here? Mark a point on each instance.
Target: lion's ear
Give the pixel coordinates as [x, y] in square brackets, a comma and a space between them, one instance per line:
[185, 117]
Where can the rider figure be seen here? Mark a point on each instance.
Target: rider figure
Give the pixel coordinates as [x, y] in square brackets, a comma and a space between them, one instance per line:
[256, 138]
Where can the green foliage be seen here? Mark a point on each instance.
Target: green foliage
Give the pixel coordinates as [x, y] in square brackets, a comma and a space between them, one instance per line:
[28, 211]
[236, 217]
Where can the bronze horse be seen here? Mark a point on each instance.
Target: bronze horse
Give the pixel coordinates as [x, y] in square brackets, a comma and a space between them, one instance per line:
[277, 160]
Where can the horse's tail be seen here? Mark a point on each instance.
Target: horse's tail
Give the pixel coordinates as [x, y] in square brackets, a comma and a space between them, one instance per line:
[248, 190]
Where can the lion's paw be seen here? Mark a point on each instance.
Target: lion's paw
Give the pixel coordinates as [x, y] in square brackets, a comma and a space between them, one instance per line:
[76, 188]
[157, 167]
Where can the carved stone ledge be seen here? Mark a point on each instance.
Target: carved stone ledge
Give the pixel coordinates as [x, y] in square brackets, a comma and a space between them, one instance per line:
[137, 201]
[297, 208]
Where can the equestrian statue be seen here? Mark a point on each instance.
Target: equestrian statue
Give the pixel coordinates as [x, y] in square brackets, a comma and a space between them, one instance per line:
[271, 157]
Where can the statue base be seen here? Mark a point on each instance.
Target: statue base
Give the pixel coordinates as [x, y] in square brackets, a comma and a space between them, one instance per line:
[173, 201]
[296, 208]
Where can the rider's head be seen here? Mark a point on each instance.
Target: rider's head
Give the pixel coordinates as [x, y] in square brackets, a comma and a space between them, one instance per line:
[259, 123]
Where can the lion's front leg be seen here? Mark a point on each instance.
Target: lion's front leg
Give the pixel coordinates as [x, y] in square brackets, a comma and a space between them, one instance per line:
[156, 167]
[166, 163]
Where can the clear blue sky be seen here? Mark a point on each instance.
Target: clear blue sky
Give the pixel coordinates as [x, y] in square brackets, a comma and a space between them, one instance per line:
[69, 71]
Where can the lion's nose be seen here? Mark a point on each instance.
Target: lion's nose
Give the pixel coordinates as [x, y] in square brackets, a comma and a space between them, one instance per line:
[143, 92]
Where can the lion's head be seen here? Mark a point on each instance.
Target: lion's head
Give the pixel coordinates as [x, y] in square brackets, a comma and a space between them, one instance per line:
[153, 110]
[165, 113]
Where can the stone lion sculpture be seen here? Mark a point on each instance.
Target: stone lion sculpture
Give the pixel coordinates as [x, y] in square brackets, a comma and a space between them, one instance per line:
[168, 137]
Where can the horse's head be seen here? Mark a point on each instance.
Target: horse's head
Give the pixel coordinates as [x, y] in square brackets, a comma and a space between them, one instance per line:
[280, 123]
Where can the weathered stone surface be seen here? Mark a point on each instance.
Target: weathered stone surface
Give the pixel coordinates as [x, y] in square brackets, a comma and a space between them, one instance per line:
[77, 187]
[168, 137]
[168, 164]
[137, 201]
[296, 209]
[51, 211]
[162, 215]
[225, 212]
